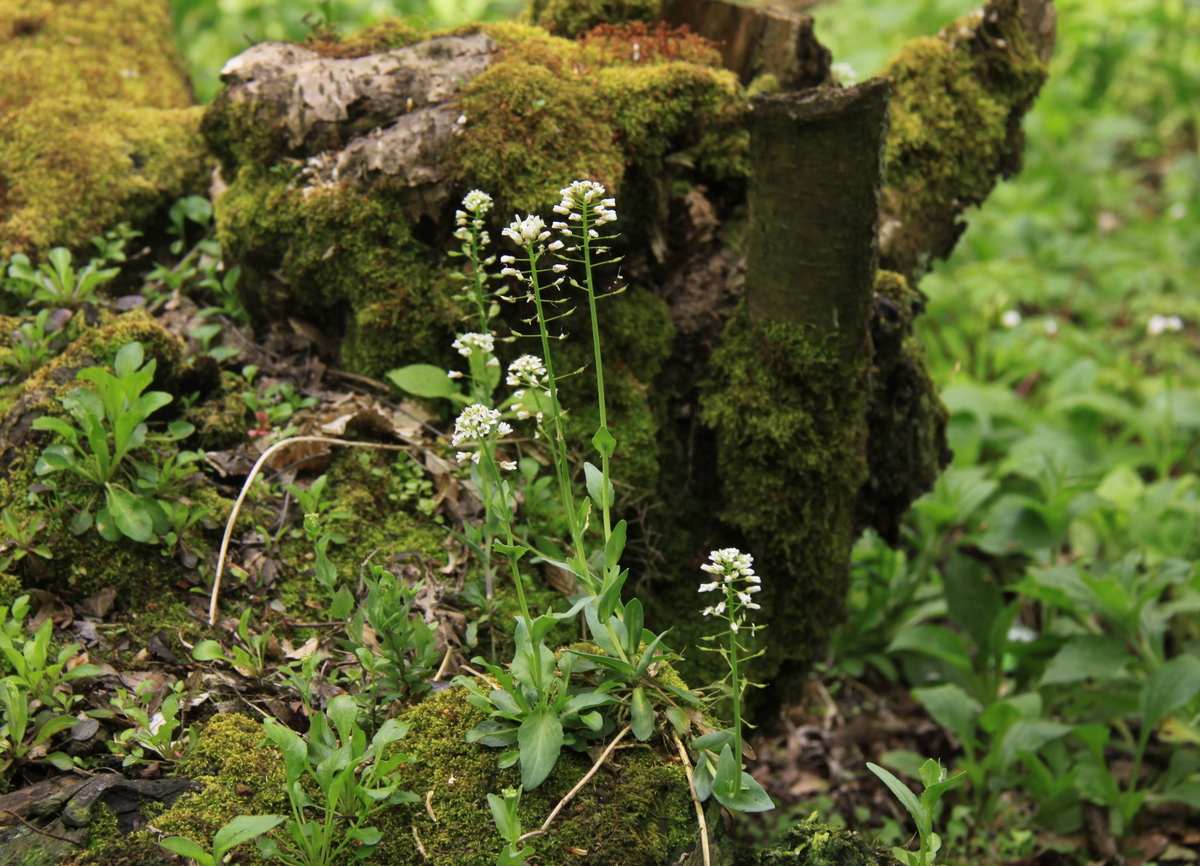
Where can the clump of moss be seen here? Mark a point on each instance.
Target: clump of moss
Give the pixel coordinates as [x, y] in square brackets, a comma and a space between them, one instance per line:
[810, 843]
[955, 126]
[342, 258]
[241, 774]
[636, 813]
[791, 448]
[386, 35]
[906, 419]
[570, 18]
[549, 111]
[97, 126]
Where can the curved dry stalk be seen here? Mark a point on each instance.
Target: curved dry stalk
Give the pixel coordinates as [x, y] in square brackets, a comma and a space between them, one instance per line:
[578, 786]
[687, 768]
[237, 506]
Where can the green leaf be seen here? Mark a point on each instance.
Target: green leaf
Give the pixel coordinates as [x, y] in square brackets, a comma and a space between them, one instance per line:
[81, 522]
[973, 597]
[952, 708]
[902, 792]
[540, 738]
[728, 780]
[1085, 657]
[1029, 735]
[187, 848]
[615, 545]
[604, 442]
[128, 515]
[207, 651]
[713, 742]
[937, 641]
[678, 719]
[750, 797]
[641, 714]
[512, 551]
[423, 380]
[1168, 689]
[702, 777]
[241, 829]
[600, 490]
[129, 358]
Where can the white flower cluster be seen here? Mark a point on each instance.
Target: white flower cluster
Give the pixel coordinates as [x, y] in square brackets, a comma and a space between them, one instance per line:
[475, 425]
[527, 231]
[527, 371]
[737, 579]
[476, 204]
[1159, 325]
[466, 344]
[584, 197]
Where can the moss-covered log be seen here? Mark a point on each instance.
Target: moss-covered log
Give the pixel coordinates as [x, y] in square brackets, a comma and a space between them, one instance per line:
[96, 123]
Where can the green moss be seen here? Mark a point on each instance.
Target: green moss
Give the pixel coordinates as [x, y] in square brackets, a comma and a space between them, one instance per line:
[570, 18]
[241, 774]
[222, 421]
[810, 843]
[952, 109]
[637, 812]
[343, 259]
[791, 456]
[549, 111]
[907, 447]
[94, 120]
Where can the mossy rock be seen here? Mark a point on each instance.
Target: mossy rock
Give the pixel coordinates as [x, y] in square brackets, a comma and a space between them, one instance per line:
[96, 123]
[811, 843]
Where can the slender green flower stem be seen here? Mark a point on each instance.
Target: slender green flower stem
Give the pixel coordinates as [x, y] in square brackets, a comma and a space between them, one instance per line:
[736, 683]
[517, 581]
[585, 213]
[555, 437]
[477, 272]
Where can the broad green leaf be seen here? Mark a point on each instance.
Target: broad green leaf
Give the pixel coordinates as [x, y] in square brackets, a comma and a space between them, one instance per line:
[702, 777]
[129, 358]
[423, 380]
[641, 715]
[952, 708]
[343, 710]
[937, 641]
[241, 829]
[1029, 735]
[1168, 689]
[540, 738]
[678, 719]
[1084, 657]
[207, 651]
[187, 848]
[128, 515]
[973, 597]
[714, 742]
[750, 797]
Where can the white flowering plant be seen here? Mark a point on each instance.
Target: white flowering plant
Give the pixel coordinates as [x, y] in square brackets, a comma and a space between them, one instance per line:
[543, 701]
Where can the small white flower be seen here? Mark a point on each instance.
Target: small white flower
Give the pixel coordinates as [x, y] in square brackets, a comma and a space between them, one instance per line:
[733, 627]
[462, 118]
[557, 245]
[708, 587]
[526, 231]
[844, 73]
[527, 371]
[508, 465]
[464, 456]
[493, 362]
[475, 423]
[508, 260]
[454, 374]
[558, 269]
[477, 201]
[466, 344]
[1161, 324]
[1010, 319]
[1051, 326]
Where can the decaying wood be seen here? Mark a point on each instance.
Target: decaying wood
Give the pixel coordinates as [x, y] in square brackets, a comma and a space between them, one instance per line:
[808, 262]
[364, 118]
[755, 40]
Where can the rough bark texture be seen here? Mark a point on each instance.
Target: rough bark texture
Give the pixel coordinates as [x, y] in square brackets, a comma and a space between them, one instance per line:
[365, 119]
[756, 40]
[810, 263]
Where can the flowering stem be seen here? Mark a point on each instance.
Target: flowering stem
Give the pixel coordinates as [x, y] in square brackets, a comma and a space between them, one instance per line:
[479, 276]
[517, 581]
[556, 438]
[736, 683]
[585, 213]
